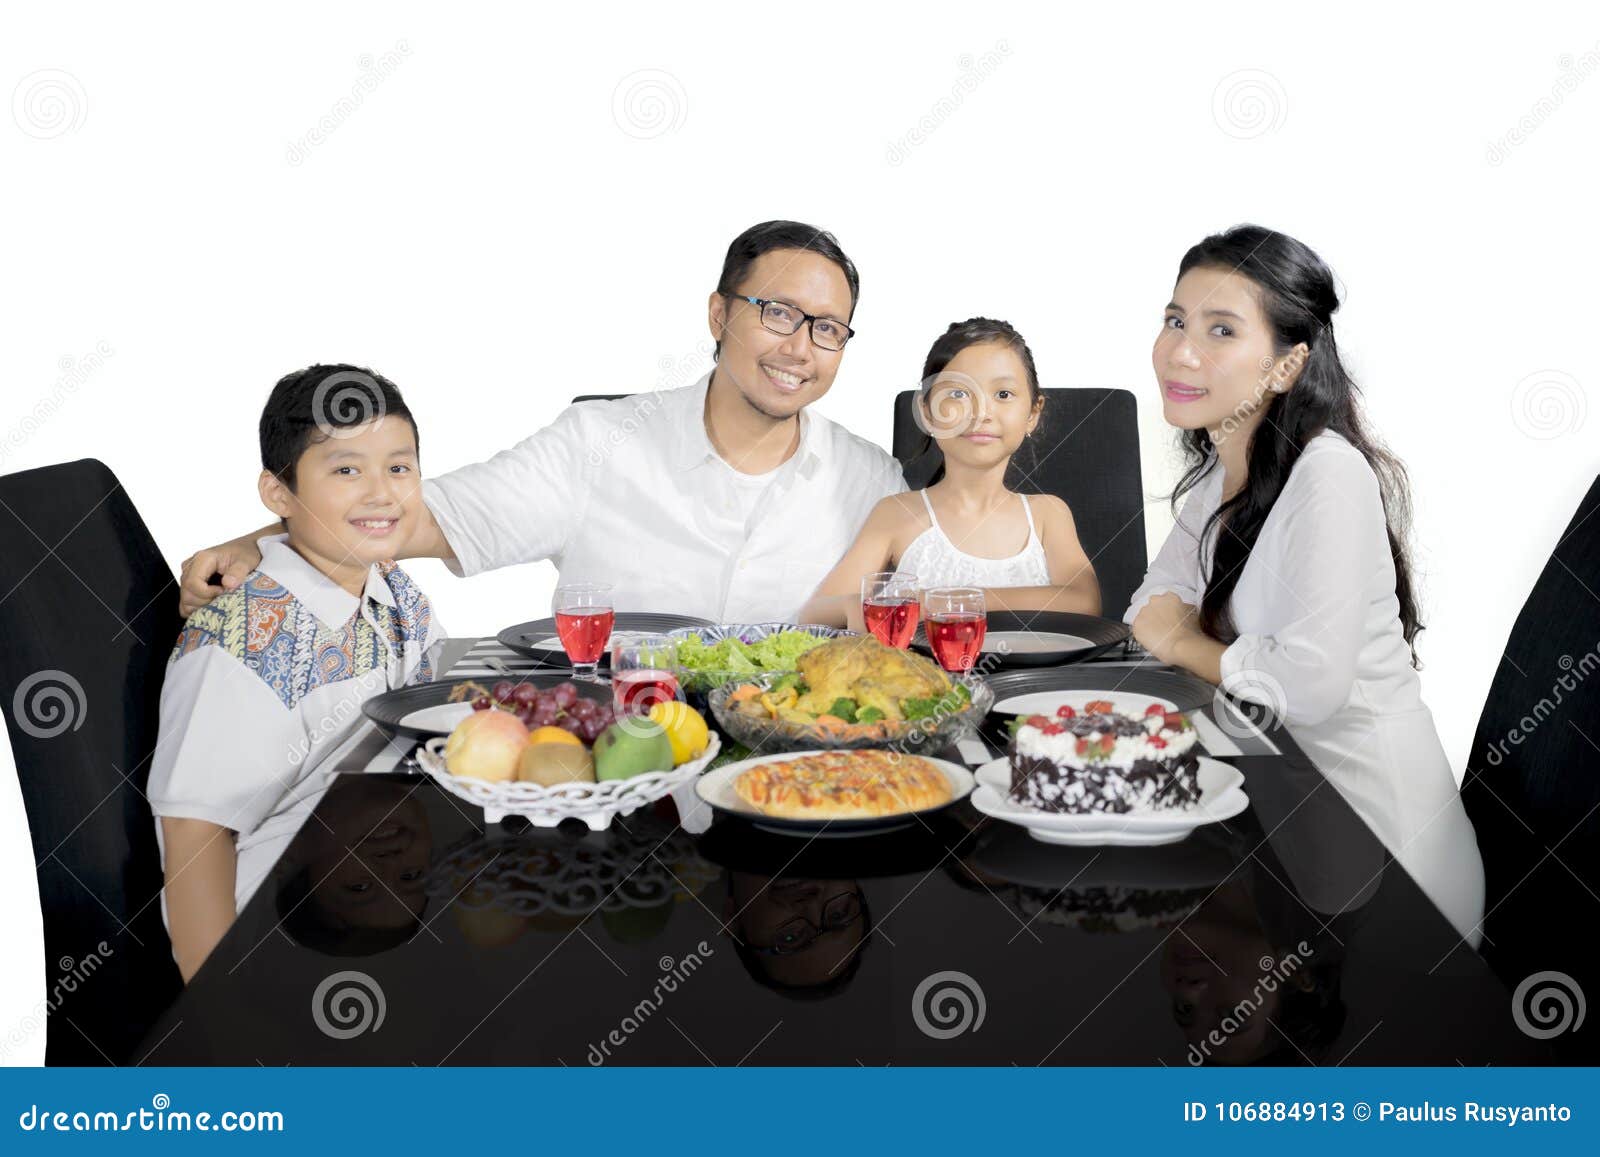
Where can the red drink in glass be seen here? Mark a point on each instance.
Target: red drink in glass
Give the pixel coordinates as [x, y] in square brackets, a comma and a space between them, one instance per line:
[890, 606]
[893, 622]
[635, 692]
[584, 634]
[957, 639]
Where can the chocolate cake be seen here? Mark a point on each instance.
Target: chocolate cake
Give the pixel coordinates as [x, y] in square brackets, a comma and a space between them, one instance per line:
[1100, 760]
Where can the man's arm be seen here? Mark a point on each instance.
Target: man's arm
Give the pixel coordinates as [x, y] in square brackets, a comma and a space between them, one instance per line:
[208, 573]
[201, 864]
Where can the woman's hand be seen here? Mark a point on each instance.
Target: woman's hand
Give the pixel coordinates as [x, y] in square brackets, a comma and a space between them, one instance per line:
[1163, 624]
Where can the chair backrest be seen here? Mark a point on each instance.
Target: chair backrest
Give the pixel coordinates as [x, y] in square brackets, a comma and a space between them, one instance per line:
[1532, 786]
[1085, 452]
[88, 614]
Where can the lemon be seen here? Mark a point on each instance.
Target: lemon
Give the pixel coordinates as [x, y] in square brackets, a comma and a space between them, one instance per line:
[685, 727]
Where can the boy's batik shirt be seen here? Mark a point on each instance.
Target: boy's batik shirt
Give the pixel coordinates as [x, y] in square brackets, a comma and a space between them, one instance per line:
[266, 683]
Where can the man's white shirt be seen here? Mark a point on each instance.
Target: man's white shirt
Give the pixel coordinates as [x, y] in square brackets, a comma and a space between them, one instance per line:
[630, 492]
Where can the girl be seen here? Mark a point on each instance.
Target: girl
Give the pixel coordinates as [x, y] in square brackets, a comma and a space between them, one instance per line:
[979, 399]
[1286, 579]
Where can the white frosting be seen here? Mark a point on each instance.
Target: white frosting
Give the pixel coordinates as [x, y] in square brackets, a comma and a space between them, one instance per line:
[1063, 749]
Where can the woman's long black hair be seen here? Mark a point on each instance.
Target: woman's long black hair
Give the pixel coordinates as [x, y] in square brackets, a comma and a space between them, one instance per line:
[1298, 298]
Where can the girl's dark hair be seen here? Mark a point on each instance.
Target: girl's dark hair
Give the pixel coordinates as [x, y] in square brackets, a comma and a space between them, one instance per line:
[960, 335]
[1297, 295]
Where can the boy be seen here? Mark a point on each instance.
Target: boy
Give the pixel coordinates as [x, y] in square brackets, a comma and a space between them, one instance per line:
[267, 682]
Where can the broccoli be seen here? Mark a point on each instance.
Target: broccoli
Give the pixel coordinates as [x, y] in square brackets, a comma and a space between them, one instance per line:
[949, 703]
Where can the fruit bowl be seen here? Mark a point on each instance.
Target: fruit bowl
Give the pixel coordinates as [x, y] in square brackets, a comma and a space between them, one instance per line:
[698, 683]
[914, 737]
[593, 803]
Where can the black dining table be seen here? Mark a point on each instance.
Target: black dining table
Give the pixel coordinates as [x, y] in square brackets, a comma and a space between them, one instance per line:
[400, 929]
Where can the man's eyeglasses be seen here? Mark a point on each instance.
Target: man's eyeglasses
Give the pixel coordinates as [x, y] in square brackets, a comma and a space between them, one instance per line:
[781, 318]
[798, 934]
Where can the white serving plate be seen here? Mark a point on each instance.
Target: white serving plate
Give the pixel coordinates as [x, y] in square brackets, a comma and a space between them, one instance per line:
[716, 789]
[1221, 798]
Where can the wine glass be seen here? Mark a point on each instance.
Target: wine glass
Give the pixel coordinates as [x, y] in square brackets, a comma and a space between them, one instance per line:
[642, 673]
[583, 621]
[889, 606]
[957, 622]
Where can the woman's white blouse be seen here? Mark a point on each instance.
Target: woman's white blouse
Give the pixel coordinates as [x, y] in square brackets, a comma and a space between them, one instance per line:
[1320, 644]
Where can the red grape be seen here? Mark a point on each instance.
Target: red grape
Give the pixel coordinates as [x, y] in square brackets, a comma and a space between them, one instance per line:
[545, 712]
[482, 703]
[503, 689]
[569, 723]
[566, 694]
[524, 694]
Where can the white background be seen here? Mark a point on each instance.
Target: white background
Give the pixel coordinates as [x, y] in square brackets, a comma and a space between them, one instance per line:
[527, 204]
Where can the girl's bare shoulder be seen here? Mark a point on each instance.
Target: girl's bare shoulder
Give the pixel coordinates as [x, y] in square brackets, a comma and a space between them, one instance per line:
[902, 509]
[1050, 511]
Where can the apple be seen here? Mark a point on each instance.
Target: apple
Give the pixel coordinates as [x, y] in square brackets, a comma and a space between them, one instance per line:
[486, 745]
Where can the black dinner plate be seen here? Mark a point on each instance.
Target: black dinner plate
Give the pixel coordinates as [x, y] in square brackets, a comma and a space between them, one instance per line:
[1032, 630]
[523, 637]
[1188, 692]
[388, 709]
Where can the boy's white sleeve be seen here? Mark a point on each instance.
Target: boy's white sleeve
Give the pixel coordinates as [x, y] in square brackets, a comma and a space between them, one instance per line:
[228, 748]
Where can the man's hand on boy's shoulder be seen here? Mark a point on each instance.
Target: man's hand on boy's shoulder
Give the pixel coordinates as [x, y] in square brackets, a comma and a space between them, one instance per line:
[232, 561]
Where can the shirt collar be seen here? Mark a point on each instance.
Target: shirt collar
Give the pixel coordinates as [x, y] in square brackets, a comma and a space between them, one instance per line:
[326, 599]
[694, 447]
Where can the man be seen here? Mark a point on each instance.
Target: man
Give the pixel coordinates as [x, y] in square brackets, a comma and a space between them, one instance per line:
[725, 499]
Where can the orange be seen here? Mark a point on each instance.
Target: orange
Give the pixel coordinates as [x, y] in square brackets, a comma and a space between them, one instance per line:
[553, 735]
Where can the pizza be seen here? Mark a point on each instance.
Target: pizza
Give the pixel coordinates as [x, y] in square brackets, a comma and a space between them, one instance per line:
[844, 785]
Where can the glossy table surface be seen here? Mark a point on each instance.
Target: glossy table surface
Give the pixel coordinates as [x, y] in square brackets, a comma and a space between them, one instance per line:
[397, 930]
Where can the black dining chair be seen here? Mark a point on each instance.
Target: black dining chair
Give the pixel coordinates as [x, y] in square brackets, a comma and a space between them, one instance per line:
[89, 614]
[1532, 786]
[1085, 452]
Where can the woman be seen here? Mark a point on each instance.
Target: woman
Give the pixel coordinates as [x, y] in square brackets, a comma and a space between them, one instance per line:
[1286, 580]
